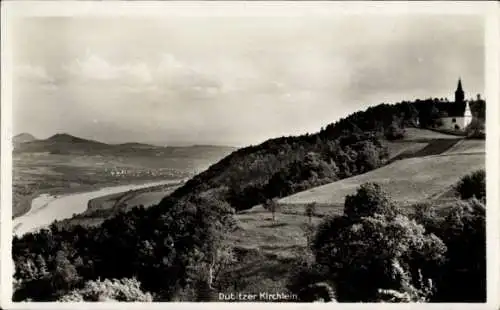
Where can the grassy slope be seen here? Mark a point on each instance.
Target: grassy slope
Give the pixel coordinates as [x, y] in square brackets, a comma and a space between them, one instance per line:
[423, 173]
[407, 180]
[273, 246]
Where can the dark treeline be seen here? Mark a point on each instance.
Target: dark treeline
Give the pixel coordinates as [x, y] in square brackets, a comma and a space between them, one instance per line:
[167, 252]
[177, 248]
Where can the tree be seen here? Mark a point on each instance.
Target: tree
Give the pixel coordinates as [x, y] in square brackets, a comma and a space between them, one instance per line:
[475, 129]
[463, 278]
[308, 279]
[472, 185]
[311, 210]
[426, 215]
[272, 206]
[408, 291]
[65, 275]
[366, 242]
[395, 131]
[367, 250]
[369, 200]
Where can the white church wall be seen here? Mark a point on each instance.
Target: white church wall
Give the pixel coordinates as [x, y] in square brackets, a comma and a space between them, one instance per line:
[449, 123]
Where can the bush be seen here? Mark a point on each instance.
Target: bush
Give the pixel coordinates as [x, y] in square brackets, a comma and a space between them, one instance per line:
[368, 200]
[366, 242]
[426, 214]
[463, 277]
[395, 132]
[309, 280]
[472, 185]
[476, 129]
[128, 290]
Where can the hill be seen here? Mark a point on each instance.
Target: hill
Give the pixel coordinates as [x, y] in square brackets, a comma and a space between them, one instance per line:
[359, 143]
[66, 144]
[422, 175]
[23, 138]
[61, 144]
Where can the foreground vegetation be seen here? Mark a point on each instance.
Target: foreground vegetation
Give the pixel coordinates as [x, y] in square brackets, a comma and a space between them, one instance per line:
[181, 248]
[187, 254]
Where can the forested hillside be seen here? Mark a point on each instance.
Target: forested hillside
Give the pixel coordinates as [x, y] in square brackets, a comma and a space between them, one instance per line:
[286, 165]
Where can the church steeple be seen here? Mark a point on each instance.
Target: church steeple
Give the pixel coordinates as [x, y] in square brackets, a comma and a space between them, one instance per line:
[459, 93]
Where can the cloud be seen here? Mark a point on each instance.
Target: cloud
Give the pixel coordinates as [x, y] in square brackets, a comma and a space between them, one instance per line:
[199, 81]
[95, 68]
[173, 74]
[167, 74]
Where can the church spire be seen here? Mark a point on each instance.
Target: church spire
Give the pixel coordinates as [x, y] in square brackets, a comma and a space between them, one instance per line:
[459, 87]
[459, 93]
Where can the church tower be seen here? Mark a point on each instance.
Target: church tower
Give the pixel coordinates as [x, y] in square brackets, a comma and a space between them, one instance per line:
[459, 93]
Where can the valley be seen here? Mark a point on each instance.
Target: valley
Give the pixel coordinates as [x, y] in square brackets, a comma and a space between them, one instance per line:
[64, 164]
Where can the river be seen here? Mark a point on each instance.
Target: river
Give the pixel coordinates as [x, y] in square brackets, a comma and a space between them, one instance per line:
[45, 208]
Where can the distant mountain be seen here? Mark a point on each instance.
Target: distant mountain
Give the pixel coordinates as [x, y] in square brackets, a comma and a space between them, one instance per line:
[23, 138]
[63, 143]
[67, 138]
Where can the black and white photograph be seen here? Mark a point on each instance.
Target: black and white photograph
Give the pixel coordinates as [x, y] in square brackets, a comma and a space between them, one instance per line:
[252, 153]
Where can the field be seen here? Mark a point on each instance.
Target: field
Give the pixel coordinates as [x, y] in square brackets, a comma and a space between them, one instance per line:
[467, 147]
[409, 180]
[418, 134]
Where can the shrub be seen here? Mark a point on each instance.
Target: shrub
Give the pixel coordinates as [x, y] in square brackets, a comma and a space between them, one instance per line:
[476, 129]
[463, 278]
[395, 132]
[366, 249]
[472, 185]
[308, 279]
[128, 290]
[426, 214]
[365, 242]
[369, 200]
[408, 292]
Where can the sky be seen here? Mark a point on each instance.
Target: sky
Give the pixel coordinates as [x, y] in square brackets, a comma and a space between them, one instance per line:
[230, 80]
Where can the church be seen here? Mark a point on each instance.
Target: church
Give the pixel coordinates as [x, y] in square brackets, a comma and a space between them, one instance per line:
[459, 115]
